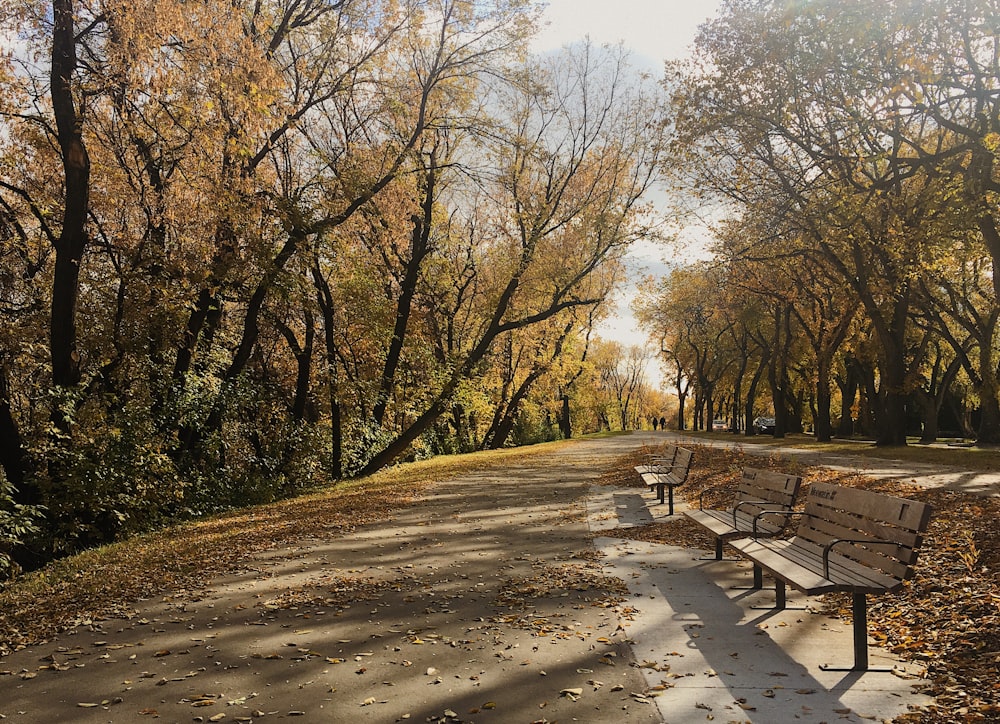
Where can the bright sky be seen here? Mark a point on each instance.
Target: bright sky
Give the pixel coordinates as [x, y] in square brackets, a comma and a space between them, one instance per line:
[655, 30]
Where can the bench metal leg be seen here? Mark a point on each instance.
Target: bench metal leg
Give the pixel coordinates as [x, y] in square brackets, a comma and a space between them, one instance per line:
[780, 600]
[758, 581]
[718, 553]
[860, 632]
[860, 609]
[780, 597]
[670, 490]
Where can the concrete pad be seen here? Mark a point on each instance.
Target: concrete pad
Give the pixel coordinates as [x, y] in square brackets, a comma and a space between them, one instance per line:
[718, 658]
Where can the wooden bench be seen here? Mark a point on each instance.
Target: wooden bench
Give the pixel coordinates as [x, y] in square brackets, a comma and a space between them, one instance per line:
[761, 506]
[666, 471]
[848, 540]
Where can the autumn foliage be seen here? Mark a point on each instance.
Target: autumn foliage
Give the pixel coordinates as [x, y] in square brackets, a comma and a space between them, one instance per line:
[251, 247]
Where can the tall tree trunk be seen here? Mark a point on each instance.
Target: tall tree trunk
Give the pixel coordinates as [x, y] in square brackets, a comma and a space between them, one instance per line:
[890, 413]
[738, 422]
[758, 375]
[303, 354]
[682, 395]
[324, 298]
[72, 241]
[824, 398]
[989, 413]
[251, 322]
[989, 404]
[419, 249]
[207, 311]
[499, 435]
[12, 457]
[565, 423]
[777, 370]
[848, 385]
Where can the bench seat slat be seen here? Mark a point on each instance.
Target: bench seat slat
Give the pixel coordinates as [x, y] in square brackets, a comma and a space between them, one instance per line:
[721, 522]
[756, 492]
[801, 566]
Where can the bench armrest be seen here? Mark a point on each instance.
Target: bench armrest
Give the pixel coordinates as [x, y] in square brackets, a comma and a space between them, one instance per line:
[786, 513]
[858, 541]
[736, 509]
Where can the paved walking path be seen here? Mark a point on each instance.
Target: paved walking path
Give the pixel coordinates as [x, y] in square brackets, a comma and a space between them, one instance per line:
[481, 602]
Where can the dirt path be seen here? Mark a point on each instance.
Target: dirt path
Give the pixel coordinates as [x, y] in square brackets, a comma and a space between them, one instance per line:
[479, 603]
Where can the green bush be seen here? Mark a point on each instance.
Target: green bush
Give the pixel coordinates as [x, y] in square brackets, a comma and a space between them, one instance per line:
[18, 524]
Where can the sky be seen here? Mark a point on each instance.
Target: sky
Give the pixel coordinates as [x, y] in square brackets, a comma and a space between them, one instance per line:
[654, 31]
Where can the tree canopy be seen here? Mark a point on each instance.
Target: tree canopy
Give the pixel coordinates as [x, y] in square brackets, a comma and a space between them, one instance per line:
[847, 151]
[247, 247]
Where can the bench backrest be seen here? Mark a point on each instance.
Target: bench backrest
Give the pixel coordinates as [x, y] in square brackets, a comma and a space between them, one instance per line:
[674, 461]
[760, 490]
[834, 512]
[682, 463]
[769, 486]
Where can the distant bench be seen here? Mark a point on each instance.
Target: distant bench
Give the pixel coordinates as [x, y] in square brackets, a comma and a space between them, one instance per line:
[764, 499]
[666, 471]
[848, 540]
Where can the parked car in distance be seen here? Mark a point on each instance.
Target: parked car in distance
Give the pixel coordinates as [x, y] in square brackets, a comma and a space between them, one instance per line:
[718, 425]
[763, 425]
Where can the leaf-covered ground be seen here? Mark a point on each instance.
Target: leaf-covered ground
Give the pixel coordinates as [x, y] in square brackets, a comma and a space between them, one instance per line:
[458, 593]
[946, 618]
[102, 582]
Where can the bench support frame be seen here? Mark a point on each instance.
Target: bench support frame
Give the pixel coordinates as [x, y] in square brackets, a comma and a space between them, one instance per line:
[860, 610]
[880, 535]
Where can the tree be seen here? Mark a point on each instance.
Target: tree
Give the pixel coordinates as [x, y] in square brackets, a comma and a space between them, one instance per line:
[689, 308]
[948, 65]
[576, 153]
[622, 376]
[772, 123]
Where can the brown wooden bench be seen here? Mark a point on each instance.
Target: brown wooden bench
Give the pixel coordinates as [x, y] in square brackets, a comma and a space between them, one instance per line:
[666, 471]
[848, 540]
[761, 506]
